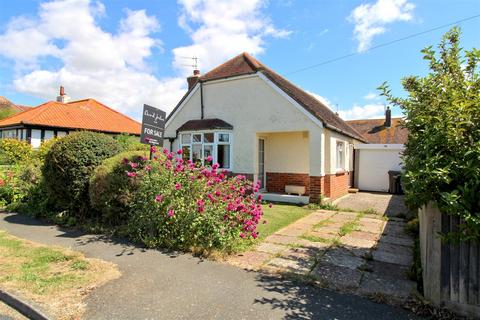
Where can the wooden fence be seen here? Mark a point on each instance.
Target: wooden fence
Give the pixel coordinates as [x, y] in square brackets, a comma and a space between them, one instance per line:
[451, 272]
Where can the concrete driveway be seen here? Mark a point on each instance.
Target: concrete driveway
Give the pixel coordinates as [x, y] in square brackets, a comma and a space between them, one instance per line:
[156, 285]
[391, 205]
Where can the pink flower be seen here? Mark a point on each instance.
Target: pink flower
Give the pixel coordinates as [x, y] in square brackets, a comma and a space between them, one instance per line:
[131, 174]
[259, 197]
[179, 151]
[215, 166]
[171, 213]
[158, 198]
[242, 235]
[254, 235]
[165, 151]
[153, 149]
[270, 205]
[209, 159]
[133, 165]
[148, 167]
[178, 186]
[125, 161]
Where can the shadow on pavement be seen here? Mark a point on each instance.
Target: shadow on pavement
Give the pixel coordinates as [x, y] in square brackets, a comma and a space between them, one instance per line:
[307, 301]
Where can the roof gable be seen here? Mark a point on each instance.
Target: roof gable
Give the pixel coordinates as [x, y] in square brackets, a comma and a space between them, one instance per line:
[244, 64]
[87, 114]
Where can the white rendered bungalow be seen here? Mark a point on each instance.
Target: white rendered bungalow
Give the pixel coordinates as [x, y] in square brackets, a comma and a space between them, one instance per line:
[256, 123]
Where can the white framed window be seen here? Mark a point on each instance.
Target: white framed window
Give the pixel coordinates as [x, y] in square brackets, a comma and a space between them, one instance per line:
[198, 146]
[340, 152]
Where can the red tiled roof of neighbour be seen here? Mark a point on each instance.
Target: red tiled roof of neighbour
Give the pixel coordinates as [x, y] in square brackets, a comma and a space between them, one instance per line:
[374, 131]
[87, 114]
[244, 64]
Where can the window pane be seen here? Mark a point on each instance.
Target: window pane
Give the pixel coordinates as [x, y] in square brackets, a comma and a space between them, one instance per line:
[207, 151]
[197, 153]
[208, 137]
[223, 154]
[186, 153]
[223, 137]
[339, 155]
[197, 138]
[186, 138]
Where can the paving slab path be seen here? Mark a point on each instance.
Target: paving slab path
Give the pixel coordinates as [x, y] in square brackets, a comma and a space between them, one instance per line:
[346, 251]
[156, 285]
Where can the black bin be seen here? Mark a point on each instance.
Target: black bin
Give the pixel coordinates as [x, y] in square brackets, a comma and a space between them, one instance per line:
[394, 182]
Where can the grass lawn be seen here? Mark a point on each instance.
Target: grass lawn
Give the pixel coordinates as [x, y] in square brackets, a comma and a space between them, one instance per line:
[279, 216]
[56, 279]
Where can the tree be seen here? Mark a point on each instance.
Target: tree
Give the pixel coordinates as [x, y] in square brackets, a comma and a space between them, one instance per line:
[442, 115]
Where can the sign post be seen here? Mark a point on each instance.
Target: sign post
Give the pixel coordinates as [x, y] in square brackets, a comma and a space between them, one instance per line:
[153, 126]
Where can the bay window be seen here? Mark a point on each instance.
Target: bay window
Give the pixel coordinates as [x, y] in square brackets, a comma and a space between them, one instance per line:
[199, 146]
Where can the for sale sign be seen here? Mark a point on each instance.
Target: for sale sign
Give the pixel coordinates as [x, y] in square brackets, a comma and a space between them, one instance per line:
[153, 125]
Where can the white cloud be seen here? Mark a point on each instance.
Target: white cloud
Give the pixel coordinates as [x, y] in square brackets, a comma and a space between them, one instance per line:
[112, 66]
[368, 111]
[371, 19]
[371, 96]
[225, 29]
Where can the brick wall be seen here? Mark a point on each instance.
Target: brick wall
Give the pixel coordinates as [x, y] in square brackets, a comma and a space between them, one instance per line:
[317, 187]
[276, 181]
[336, 185]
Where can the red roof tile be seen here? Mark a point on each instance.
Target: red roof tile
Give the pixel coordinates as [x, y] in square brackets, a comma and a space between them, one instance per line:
[87, 114]
[246, 64]
[374, 131]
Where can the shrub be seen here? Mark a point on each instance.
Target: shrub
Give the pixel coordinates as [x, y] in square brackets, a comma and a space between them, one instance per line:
[182, 206]
[442, 154]
[69, 165]
[13, 151]
[17, 181]
[111, 189]
[131, 143]
[42, 151]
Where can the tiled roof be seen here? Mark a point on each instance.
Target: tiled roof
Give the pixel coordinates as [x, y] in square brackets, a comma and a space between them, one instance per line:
[244, 64]
[87, 114]
[374, 131]
[205, 124]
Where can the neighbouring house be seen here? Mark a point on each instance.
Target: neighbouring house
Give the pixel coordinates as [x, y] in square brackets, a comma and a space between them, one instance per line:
[58, 118]
[386, 139]
[254, 122]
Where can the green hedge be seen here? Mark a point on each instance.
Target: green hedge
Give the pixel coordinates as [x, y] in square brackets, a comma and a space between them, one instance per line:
[111, 189]
[13, 151]
[442, 155]
[68, 167]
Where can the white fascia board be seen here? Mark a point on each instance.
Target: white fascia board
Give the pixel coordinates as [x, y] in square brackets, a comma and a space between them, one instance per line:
[379, 146]
[291, 100]
[195, 89]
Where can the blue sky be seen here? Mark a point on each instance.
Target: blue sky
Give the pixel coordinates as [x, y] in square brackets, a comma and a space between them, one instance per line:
[129, 52]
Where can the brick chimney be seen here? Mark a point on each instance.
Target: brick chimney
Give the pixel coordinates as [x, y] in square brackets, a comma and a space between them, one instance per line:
[63, 98]
[192, 80]
[388, 117]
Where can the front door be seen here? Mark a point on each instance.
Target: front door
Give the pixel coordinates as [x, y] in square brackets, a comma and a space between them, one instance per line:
[261, 163]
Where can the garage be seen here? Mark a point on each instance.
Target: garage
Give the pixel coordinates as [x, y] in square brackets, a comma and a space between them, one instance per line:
[372, 163]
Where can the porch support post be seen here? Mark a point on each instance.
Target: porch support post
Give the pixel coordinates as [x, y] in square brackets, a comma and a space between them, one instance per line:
[316, 154]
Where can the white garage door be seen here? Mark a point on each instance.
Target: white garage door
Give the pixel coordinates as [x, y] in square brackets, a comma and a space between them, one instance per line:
[374, 162]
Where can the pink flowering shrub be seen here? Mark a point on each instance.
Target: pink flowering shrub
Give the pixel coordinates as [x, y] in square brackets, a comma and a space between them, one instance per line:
[181, 205]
